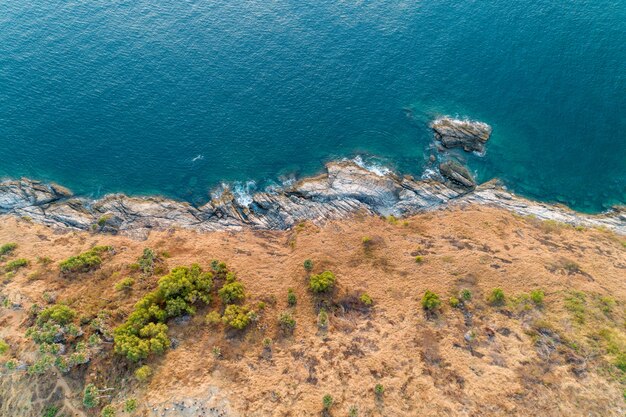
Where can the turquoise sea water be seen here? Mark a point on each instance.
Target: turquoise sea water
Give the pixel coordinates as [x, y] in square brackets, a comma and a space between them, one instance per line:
[176, 97]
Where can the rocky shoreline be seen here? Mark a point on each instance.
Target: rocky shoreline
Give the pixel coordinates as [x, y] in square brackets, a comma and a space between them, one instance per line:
[344, 189]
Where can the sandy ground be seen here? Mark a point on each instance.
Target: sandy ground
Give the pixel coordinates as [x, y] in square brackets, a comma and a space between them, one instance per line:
[477, 360]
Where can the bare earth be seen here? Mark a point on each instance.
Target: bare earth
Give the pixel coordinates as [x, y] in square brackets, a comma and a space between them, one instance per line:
[479, 360]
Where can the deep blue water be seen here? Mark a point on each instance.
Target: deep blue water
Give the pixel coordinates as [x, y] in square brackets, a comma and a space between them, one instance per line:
[175, 97]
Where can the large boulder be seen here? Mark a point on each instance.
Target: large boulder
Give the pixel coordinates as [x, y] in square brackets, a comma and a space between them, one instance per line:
[457, 173]
[467, 134]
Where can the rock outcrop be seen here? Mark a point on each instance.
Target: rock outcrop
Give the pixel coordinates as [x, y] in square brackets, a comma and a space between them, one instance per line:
[457, 174]
[344, 189]
[466, 134]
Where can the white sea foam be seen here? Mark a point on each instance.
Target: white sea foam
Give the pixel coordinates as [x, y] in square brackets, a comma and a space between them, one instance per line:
[374, 167]
[197, 158]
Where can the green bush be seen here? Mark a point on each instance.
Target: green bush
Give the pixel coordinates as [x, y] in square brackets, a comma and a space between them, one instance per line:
[146, 261]
[50, 411]
[108, 411]
[125, 284]
[130, 405]
[213, 318]
[454, 302]
[144, 331]
[11, 364]
[85, 261]
[537, 297]
[419, 259]
[232, 292]
[15, 265]
[291, 298]
[430, 301]
[466, 295]
[7, 248]
[327, 401]
[90, 396]
[379, 390]
[322, 282]
[143, 373]
[308, 265]
[496, 298]
[58, 314]
[4, 347]
[237, 317]
[607, 304]
[286, 322]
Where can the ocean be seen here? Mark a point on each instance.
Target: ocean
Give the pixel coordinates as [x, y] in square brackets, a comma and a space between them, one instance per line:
[177, 98]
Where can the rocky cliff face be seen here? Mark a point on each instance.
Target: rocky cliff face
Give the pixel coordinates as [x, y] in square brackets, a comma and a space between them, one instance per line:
[344, 189]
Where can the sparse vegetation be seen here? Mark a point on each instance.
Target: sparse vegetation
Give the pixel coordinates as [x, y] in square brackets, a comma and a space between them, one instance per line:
[85, 261]
[130, 405]
[108, 411]
[286, 322]
[323, 282]
[16, 264]
[496, 298]
[7, 249]
[322, 319]
[537, 297]
[430, 301]
[379, 390]
[419, 259]
[90, 396]
[466, 295]
[575, 302]
[4, 347]
[213, 318]
[146, 261]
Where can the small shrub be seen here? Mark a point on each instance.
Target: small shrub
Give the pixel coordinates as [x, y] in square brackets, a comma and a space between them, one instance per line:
[322, 282]
[217, 352]
[232, 292]
[291, 298]
[146, 261]
[392, 219]
[308, 265]
[267, 343]
[213, 318]
[51, 411]
[353, 412]
[143, 373]
[44, 260]
[496, 298]
[430, 301]
[125, 284]
[7, 248]
[327, 401]
[575, 302]
[108, 411]
[237, 317]
[322, 319]
[286, 322]
[57, 314]
[85, 261]
[537, 297]
[102, 221]
[4, 347]
[366, 300]
[466, 295]
[130, 405]
[454, 302]
[379, 390]
[11, 364]
[419, 259]
[90, 396]
[15, 265]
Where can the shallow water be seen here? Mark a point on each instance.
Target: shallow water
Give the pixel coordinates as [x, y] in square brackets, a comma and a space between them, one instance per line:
[178, 97]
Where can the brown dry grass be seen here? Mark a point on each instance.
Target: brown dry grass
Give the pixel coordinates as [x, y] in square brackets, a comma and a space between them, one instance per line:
[519, 360]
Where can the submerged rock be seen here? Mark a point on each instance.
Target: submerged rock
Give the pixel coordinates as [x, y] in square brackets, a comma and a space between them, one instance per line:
[466, 134]
[457, 173]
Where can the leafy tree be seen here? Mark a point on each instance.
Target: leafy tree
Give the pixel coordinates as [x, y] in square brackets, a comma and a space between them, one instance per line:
[232, 292]
[497, 297]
